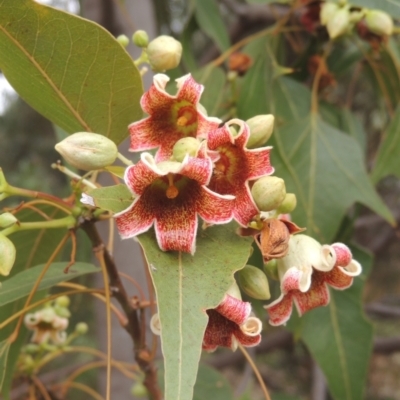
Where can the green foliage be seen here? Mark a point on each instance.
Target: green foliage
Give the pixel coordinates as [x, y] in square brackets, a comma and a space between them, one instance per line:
[112, 198]
[392, 7]
[186, 286]
[4, 349]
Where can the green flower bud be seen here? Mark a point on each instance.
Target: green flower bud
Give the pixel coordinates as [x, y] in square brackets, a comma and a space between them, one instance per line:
[288, 204]
[81, 328]
[234, 291]
[271, 269]
[63, 301]
[268, 192]
[31, 348]
[140, 38]
[62, 311]
[379, 22]
[123, 40]
[139, 390]
[328, 9]
[88, 151]
[7, 219]
[7, 255]
[164, 52]
[187, 145]
[261, 127]
[339, 23]
[254, 283]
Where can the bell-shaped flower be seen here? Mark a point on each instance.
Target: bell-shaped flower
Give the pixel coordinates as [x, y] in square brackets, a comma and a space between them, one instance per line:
[305, 273]
[236, 166]
[46, 325]
[231, 323]
[170, 117]
[172, 195]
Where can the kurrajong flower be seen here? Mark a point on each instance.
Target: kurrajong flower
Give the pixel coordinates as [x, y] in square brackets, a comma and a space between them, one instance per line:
[305, 274]
[236, 166]
[170, 117]
[171, 195]
[46, 325]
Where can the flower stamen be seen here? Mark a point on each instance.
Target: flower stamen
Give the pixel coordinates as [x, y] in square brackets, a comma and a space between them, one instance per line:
[172, 190]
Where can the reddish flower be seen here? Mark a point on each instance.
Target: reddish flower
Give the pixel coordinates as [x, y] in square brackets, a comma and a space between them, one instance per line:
[230, 323]
[171, 195]
[171, 117]
[236, 166]
[306, 272]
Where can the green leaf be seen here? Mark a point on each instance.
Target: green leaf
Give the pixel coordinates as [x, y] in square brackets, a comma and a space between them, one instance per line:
[392, 7]
[340, 338]
[112, 198]
[209, 19]
[325, 169]
[211, 384]
[388, 159]
[186, 286]
[21, 284]
[4, 349]
[69, 69]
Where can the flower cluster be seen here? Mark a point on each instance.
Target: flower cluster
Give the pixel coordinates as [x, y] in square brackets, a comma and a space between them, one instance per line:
[211, 179]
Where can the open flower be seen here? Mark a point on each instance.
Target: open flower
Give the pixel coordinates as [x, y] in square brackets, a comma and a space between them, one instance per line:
[171, 195]
[46, 325]
[236, 166]
[305, 274]
[230, 323]
[170, 117]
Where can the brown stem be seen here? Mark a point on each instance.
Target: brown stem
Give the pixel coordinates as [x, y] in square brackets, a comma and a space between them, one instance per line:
[133, 327]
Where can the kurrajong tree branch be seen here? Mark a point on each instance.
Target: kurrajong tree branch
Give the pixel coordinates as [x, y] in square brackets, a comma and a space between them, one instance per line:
[133, 327]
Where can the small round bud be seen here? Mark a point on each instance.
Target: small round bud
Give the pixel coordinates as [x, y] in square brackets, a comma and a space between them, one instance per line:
[88, 151]
[7, 255]
[271, 269]
[328, 9]
[7, 219]
[184, 146]
[81, 328]
[339, 23]
[254, 283]
[140, 38]
[379, 22]
[261, 127]
[123, 40]
[63, 301]
[268, 192]
[62, 312]
[164, 52]
[288, 204]
[139, 390]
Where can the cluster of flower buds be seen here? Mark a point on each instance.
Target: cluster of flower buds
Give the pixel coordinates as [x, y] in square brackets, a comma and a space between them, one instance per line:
[7, 248]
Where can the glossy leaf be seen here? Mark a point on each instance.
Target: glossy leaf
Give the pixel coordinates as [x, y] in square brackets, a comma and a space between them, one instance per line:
[340, 338]
[210, 21]
[69, 69]
[392, 7]
[186, 286]
[388, 159]
[21, 284]
[112, 198]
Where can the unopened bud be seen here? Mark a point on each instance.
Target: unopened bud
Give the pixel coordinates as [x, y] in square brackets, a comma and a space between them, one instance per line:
[261, 127]
[271, 269]
[328, 9]
[288, 204]
[123, 40]
[254, 283]
[234, 291]
[188, 145]
[31, 348]
[139, 390]
[140, 38]
[81, 328]
[164, 52]
[7, 255]
[379, 22]
[88, 151]
[339, 23]
[63, 301]
[62, 312]
[268, 192]
[7, 219]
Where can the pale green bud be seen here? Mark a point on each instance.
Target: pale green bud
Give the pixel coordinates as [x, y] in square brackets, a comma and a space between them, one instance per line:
[379, 22]
[123, 40]
[139, 390]
[164, 52]
[31, 348]
[328, 9]
[63, 301]
[261, 127]
[271, 269]
[7, 255]
[184, 146]
[254, 283]
[339, 23]
[288, 204]
[81, 328]
[62, 312]
[140, 38]
[7, 219]
[268, 192]
[234, 291]
[88, 151]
